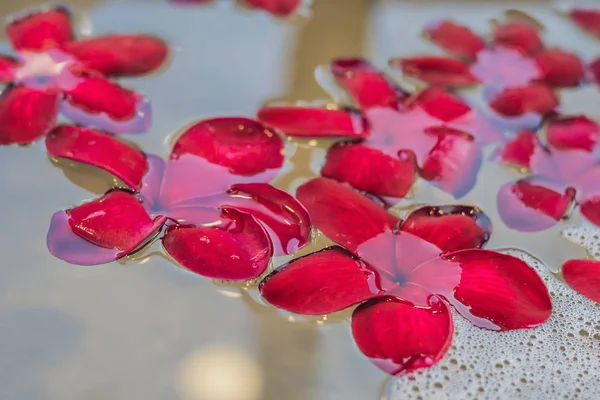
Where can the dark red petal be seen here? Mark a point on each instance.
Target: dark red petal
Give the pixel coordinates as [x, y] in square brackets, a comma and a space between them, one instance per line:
[26, 114]
[531, 205]
[399, 337]
[320, 283]
[7, 68]
[279, 8]
[577, 132]
[437, 70]
[450, 228]
[584, 277]
[534, 98]
[590, 208]
[40, 30]
[453, 163]
[342, 214]
[559, 68]
[587, 19]
[100, 150]
[370, 170]
[314, 121]
[498, 291]
[128, 55]
[284, 218]
[236, 249]
[455, 38]
[102, 230]
[519, 151]
[366, 85]
[518, 35]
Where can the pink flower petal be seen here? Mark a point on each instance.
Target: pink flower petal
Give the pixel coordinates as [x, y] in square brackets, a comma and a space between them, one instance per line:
[584, 277]
[587, 19]
[279, 8]
[26, 114]
[450, 228]
[236, 249]
[153, 179]
[102, 230]
[320, 283]
[437, 70]
[41, 29]
[534, 98]
[100, 150]
[365, 84]
[284, 218]
[8, 65]
[123, 55]
[577, 132]
[314, 121]
[559, 68]
[455, 38]
[342, 214]
[518, 35]
[498, 291]
[400, 338]
[370, 170]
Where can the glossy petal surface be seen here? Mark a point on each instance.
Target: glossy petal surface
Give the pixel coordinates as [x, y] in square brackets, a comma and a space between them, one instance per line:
[577, 132]
[559, 68]
[455, 38]
[41, 29]
[521, 36]
[535, 98]
[584, 277]
[436, 70]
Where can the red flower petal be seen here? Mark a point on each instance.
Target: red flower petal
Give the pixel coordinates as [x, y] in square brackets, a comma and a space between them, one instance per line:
[498, 291]
[455, 38]
[120, 54]
[40, 30]
[534, 98]
[559, 68]
[370, 170]
[7, 68]
[577, 132]
[314, 122]
[100, 150]
[530, 205]
[590, 208]
[399, 337]
[26, 114]
[102, 230]
[281, 214]
[587, 19]
[237, 249]
[520, 150]
[342, 214]
[594, 68]
[320, 283]
[367, 86]
[584, 277]
[450, 228]
[279, 8]
[437, 70]
[518, 35]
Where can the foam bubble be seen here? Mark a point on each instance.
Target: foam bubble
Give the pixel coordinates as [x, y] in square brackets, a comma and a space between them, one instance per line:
[586, 235]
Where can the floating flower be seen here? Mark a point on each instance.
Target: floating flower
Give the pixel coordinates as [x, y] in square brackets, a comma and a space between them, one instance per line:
[396, 136]
[279, 8]
[403, 275]
[210, 203]
[52, 72]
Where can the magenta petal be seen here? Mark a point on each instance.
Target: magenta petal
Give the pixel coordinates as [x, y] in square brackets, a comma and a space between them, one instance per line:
[455, 38]
[584, 277]
[314, 122]
[520, 150]
[399, 337]
[236, 249]
[279, 8]
[590, 208]
[41, 29]
[102, 230]
[100, 150]
[578, 132]
[320, 283]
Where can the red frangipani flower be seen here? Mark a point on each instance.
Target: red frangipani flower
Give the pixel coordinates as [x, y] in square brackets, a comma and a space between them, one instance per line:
[52, 72]
[565, 173]
[588, 19]
[518, 72]
[221, 218]
[395, 137]
[279, 8]
[403, 275]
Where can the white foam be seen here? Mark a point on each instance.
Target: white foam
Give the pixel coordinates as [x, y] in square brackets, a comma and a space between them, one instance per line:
[585, 235]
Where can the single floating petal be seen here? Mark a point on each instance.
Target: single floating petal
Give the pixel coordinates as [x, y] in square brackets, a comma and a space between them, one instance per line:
[584, 277]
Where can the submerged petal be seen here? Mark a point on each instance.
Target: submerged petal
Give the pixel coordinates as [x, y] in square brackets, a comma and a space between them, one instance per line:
[584, 277]
[41, 29]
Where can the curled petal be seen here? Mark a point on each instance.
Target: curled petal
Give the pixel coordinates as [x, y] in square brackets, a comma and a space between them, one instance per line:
[559, 68]
[518, 35]
[587, 19]
[41, 29]
[584, 277]
[7, 68]
[371, 170]
[455, 38]
[450, 228]
[26, 114]
[578, 132]
[498, 291]
[100, 150]
[123, 55]
[320, 283]
[236, 249]
[436, 70]
[314, 122]
[342, 214]
[534, 98]
[102, 230]
[399, 337]
[279, 8]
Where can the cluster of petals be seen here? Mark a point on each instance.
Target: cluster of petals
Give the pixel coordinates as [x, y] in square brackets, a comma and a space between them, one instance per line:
[210, 203]
[52, 72]
[588, 19]
[278, 8]
[403, 275]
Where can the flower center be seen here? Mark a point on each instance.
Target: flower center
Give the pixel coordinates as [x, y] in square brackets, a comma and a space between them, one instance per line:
[503, 67]
[40, 70]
